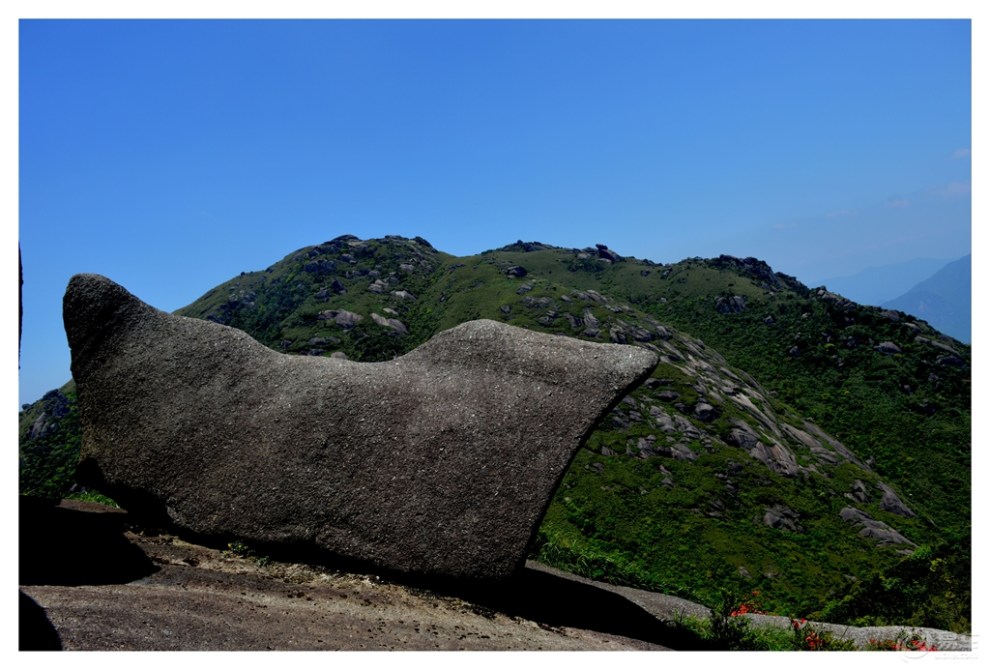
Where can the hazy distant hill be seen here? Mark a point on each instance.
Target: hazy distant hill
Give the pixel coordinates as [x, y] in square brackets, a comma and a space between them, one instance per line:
[944, 300]
[790, 442]
[877, 285]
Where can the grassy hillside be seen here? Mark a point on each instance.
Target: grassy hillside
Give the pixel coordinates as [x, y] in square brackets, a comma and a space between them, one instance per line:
[907, 411]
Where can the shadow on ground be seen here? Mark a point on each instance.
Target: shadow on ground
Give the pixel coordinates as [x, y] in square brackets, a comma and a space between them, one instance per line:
[69, 547]
[64, 546]
[561, 602]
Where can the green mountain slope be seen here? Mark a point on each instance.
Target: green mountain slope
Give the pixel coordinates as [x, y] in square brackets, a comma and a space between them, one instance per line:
[792, 444]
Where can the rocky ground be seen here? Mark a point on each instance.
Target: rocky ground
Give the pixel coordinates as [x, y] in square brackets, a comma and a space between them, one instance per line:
[92, 581]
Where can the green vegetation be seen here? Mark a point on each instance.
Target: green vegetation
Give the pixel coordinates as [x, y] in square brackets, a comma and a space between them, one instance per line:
[623, 524]
[807, 419]
[727, 629]
[50, 437]
[237, 549]
[93, 497]
[907, 412]
[930, 588]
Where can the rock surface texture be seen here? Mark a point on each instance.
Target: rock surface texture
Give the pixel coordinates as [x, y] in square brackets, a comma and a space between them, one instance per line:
[438, 463]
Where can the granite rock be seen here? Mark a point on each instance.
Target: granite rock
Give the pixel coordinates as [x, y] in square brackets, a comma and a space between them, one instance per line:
[439, 463]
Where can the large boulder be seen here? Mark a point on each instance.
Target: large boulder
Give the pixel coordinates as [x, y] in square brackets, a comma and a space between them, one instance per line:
[441, 462]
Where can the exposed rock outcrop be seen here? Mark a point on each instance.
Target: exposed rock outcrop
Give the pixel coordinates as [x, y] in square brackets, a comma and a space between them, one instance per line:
[56, 406]
[782, 517]
[731, 305]
[341, 317]
[607, 254]
[394, 324]
[888, 348]
[890, 502]
[775, 456]
[440, 462]
[875, 530]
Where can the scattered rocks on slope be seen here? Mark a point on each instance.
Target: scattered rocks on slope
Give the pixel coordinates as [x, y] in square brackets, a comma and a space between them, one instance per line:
[859, 492]
[320, 267]
[775, 456]
[607, 254]
[648, 446]
[890, 502]
[663, 421]
[394, 324]
[888, 348]
[951, 360]
[782, 517]
[751, 267]
[536, 303]
[873, 529]
[732, 305]
[705, 412]
[677, 451]
[54, 408]
[592, 325]
[835, 299]
[341, 317]
[516, 271]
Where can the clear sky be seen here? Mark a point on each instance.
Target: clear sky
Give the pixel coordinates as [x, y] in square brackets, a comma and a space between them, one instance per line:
[172, 155]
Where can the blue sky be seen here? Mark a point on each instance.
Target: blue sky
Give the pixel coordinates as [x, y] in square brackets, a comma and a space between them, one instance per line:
[172, 155]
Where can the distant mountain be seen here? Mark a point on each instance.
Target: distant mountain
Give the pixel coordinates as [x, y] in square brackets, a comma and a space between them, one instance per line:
[790, 441]
[944, 300]
[877, 285]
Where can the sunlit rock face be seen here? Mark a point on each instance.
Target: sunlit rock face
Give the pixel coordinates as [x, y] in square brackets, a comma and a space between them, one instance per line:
[441, 462]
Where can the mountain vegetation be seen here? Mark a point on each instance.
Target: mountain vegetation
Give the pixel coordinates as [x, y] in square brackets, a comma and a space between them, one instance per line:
[794, 450]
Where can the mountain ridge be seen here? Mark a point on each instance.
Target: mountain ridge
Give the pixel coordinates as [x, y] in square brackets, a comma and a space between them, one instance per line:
[879, 284]
[943, 300]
